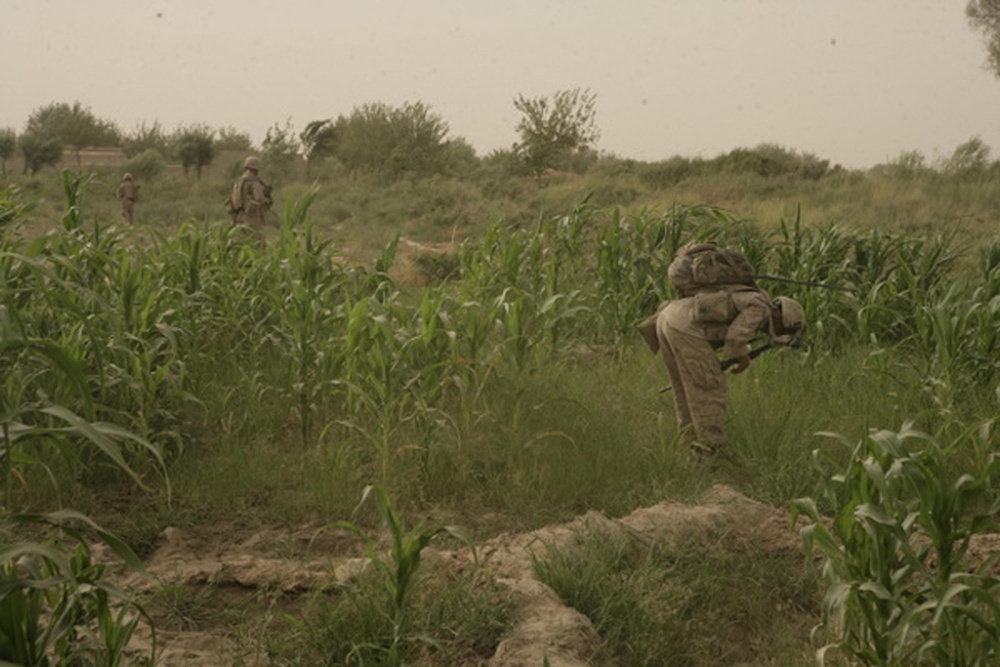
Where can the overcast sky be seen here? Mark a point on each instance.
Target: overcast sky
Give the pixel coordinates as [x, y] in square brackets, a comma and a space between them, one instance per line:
[854, 81]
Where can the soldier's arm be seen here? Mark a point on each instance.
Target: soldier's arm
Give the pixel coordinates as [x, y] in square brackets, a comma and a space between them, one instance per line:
[754, 311]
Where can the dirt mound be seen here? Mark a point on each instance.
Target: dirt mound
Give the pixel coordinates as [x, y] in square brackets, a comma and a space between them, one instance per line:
[296, 561]
[423, 264]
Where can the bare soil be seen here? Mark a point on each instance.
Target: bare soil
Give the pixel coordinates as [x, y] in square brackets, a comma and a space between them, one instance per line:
[195, 627]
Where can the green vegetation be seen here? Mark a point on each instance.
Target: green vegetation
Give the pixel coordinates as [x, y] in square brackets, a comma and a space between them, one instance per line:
[200, 378]
[903, 586]
[701, 604]
[552, 131]
[57, 602]
[73, 125]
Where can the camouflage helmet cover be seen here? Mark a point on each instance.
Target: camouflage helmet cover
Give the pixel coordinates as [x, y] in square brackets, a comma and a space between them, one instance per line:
[793, 319]
[252, 162]
[127, 177]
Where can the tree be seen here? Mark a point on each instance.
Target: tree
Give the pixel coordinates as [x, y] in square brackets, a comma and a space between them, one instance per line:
[195, 148]
[73, 125]
[984, 15]
[393, 142]
[969, 160]
[39, 151]
[145, 166]
[8, 143]
[231, 139]
[552, 130]
[280, 148]
[146, 138]
[318, 141]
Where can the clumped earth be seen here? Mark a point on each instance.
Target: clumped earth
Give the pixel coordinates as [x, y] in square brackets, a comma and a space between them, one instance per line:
[229, 569]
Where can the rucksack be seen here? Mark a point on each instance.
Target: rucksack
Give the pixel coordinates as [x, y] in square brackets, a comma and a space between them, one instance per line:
[236, 196]
[234, 203]
[699, 265]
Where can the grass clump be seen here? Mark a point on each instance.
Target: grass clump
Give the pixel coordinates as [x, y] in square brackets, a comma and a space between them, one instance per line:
[693, 604]
[456, 618]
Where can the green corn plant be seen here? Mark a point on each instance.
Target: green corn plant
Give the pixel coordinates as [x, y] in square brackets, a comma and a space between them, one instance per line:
[400, 574]
[73, 187]
[626, 287]
[12, 207]
[901, 589]
[26, 424]
[305, 317]
[514, 310]
[57, 605]
[989, 267]
[376, 402]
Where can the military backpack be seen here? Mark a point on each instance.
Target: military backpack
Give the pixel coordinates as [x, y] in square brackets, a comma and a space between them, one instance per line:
[701, 265]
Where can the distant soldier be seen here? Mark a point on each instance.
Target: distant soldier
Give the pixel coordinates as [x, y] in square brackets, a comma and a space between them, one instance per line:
[250, 199]
[127, 193]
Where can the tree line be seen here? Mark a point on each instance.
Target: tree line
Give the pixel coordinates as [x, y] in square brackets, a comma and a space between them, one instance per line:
[390, 142]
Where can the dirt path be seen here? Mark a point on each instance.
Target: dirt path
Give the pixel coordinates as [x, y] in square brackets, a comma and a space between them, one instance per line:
[279, 564]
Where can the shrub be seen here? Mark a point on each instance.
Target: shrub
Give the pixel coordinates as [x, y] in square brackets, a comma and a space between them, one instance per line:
[146, 165]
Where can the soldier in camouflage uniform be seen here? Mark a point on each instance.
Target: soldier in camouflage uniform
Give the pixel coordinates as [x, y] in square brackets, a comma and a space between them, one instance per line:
[127, 193]
[688, 333]
[688, 348]
[250, 199]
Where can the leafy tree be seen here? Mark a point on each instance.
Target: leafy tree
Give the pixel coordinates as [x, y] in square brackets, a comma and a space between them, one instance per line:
[393, 142]
[318, 141]
[8, 143]
[908, 165]
[984, 15]
[145, 166]
[551, 130]
[460, 156]
[968, 160]
[145, 138]
[39, 151]
[280, 148]
[231, 139]
[73, 125]
[195, 148]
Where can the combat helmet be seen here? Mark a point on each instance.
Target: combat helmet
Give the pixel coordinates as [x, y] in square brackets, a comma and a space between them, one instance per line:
[127, 177]
[252, 162]
[793, 319]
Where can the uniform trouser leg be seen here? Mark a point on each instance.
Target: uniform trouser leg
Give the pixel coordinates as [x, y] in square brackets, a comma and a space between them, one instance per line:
[685, 424]
[703, 383]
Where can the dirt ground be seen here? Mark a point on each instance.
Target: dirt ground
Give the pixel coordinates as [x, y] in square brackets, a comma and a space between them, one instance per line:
[281, 564]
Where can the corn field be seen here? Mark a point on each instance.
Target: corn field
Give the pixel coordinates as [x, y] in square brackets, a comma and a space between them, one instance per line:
[101, 338]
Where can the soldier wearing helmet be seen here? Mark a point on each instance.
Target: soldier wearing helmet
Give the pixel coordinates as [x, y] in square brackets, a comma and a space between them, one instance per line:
[250, 199]
[127, 193]
[690, 331]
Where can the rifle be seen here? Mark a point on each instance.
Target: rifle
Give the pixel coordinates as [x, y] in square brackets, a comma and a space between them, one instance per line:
[726, 364]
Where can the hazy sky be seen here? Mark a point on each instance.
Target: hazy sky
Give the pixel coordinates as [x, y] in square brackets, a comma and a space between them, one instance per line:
[854, 81]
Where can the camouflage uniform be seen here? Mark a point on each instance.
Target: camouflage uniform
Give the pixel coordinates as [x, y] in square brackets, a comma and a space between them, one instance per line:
[127, 192]
[688, 349]
[253, 200]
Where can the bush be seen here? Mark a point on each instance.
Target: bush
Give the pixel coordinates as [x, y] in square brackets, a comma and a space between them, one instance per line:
[663, 174]
[146, 165]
